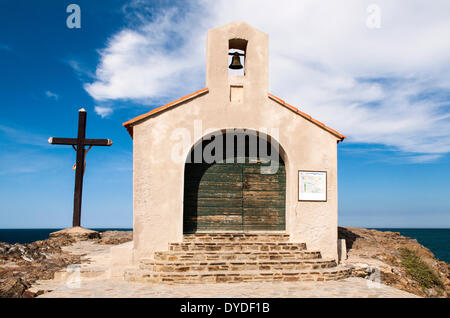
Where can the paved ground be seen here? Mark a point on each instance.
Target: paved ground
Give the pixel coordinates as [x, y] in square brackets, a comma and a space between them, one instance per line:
[99, 285]
[351, 287]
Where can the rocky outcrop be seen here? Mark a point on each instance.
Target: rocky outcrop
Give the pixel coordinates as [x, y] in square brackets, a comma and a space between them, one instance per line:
[23, 264]
[106, 237]
[115, 237]
[399, 261]
[76, 232]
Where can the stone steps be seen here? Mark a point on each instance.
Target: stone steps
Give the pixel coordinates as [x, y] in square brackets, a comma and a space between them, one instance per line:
[237, 246]
[239, 276]
[200, 266]
[235, 237]
[235, 255]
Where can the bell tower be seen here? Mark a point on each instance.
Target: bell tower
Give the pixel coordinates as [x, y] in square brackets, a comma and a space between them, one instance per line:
[246, 46]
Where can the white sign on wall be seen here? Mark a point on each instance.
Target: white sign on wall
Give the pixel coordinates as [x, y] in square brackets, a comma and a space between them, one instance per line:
[312, 185]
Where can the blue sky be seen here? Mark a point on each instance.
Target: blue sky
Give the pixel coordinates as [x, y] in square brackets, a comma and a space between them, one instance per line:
[387, 89]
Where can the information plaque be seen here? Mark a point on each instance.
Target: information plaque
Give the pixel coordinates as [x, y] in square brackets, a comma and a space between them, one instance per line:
[312, 185]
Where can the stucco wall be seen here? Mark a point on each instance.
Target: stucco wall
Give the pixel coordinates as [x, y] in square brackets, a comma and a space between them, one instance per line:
[158, 180]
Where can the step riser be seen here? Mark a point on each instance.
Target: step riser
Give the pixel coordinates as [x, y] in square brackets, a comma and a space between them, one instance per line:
[167, 256]
[236, 278]
[180, 247]
[234, 267]
[236, 238]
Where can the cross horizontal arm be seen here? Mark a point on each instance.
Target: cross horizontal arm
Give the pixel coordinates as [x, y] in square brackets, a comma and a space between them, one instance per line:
[74, 141]
[97, 142]
[62, 141]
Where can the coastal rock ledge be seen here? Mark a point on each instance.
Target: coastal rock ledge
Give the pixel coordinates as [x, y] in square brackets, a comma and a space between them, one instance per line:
[397, 261]
[23, 264]
[381, 257]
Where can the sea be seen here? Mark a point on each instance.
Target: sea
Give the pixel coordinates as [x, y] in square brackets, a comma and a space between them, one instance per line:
[437, 240]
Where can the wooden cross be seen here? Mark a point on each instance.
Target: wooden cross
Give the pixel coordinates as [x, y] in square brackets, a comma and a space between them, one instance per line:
[78, 144]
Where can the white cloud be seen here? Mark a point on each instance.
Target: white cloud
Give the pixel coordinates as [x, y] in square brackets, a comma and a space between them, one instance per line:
[386, 86]
[51, 95]
[103, 111]
[148, 62]
[425, 158]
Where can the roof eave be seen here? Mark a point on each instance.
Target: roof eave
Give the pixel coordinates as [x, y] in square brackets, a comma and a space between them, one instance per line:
[307, 117]
[130, 123]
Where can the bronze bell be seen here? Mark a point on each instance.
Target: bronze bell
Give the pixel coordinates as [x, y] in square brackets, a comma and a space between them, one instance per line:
[236, 62]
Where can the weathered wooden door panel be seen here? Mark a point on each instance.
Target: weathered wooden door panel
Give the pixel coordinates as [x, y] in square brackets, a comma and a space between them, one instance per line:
[206, 186]
[260, 218]
[264, 197]
[213, 197]
[233, 197]
[268, 186]
[263, 178]
[204, 211]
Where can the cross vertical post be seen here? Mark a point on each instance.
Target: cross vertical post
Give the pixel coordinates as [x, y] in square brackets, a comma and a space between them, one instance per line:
[79, 171]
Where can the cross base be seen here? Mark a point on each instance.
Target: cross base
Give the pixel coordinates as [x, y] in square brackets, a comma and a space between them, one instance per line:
[76, 232]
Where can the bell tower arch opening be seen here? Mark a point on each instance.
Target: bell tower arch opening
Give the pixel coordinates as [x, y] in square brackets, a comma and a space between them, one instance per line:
[237, 49]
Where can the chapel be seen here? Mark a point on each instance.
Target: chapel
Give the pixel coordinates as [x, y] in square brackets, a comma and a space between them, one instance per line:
[232, 180]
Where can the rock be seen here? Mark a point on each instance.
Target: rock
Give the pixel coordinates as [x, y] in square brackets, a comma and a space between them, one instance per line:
[13, 287]
[383, 250]
[22, 264]
[29, 294]
[115, 237]
[76, 232]
[431, 292]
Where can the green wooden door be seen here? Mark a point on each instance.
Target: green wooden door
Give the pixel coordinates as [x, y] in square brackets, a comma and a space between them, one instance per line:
[264, 198]
[212, 197]
[233, 197]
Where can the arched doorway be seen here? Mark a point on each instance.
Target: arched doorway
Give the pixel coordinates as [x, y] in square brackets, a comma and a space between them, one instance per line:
[242, 191]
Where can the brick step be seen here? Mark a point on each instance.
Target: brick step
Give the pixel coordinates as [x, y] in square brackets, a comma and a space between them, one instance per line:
[234, 255]
[238, 276]
[237, 246]
[199, 266]
[236, 237]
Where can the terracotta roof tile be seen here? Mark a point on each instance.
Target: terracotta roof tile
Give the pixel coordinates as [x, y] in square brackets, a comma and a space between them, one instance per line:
[315, 121]
[129, 124]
